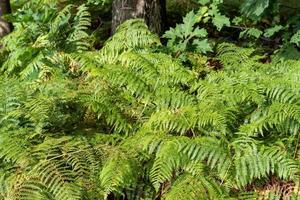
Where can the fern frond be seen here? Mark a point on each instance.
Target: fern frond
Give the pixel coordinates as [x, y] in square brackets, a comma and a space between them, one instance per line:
[195, 188]
[132, 34]
[78, 38]
[118, 172]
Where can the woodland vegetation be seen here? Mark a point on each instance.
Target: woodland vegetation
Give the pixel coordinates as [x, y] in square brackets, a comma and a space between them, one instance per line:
[150, 100]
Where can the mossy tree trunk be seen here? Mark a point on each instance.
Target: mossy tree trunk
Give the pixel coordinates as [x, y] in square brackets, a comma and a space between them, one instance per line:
[5, 27]
[152, 11]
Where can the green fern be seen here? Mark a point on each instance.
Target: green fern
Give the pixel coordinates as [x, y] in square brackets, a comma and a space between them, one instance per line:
[130, 121]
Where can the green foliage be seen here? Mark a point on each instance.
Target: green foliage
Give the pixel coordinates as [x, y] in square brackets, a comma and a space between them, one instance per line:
[131, 121]
[296, 38]
[186, 37]
[251, 32]
[213, 13]
[254, 8]
[271, 31]
[36, 49]
[97, 2]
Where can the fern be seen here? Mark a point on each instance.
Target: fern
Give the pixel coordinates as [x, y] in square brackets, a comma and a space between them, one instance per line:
[130, 121]
[31, 57]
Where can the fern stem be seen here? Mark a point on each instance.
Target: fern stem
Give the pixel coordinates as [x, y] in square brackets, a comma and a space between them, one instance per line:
[296, 148]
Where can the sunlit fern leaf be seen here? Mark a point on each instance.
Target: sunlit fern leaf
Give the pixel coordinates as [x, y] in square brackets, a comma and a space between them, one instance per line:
[118, 172]
[274, 117]
[102, 103]
[283, 94]
[169, 120]
[60, 21]
[33, 68]
[132, 34]
[157, 64]
[195, 188]
[211, 151]
[37, 186]
[248, 196]
[78, 39]
[12, 94]
[60, 169]
[230, 55]
[86, 60]
[14, 148]
[259, 163]
[30, 56]
[167, 162]
[172, 98]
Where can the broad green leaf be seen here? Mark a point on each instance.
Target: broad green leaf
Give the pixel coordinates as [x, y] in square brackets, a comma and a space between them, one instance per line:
[202, 46]
[254, 8]
[271, 31]
[220, 20]
[186, 37]
[251, 32]
[200, 32]
[188, 23]
[203, 2]
[237, 20]
[296, 38]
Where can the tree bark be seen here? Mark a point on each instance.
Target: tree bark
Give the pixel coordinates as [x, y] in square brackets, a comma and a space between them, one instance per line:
[5, 27]
[152, 11]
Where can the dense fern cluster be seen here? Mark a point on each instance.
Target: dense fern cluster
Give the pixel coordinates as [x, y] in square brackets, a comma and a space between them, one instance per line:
[129, 121]
[39, 49]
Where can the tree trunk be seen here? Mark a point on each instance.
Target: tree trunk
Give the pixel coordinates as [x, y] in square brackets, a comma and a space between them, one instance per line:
[152, 11]
[5, 27]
